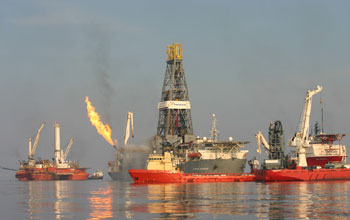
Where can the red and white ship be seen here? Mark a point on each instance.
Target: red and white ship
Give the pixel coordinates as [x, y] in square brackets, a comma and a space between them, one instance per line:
[59, 169]
[318, 157]
[319, 149]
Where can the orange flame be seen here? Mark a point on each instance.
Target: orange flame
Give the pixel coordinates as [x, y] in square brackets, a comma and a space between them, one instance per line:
[104, 130]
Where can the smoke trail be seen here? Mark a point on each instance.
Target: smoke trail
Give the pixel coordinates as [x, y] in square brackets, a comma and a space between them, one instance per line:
[101, 68]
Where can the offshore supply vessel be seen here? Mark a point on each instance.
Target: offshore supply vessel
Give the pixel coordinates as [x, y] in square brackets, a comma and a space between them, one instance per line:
[184, 157]
[58, 169]
[203, 161]
[317, 157]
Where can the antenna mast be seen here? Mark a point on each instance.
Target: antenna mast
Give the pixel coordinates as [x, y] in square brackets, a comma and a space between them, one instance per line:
[321, 102]
[214, 132]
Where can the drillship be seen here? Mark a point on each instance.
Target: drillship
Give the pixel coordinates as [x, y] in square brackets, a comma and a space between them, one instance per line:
[183, 157]
[59, 169]
[317, 157]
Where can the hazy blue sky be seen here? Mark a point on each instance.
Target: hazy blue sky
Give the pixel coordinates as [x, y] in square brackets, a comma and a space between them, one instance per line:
[249, 62]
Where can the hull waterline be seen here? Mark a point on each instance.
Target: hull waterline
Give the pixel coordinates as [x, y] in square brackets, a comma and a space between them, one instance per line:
[42, 174]
[159, 176]
[302, 175]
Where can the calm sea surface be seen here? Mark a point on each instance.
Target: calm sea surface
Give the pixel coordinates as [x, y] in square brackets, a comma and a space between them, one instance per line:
[107, 199]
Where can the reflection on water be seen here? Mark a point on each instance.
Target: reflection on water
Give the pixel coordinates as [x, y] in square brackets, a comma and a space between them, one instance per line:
[113, 199]
[303, 200]
[174, 201]
[110, 201]
[101, 203]
[263, 201]
[49, 198]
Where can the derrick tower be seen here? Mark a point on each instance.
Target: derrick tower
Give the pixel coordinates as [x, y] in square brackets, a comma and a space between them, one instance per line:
[276, 141]
[174, 122]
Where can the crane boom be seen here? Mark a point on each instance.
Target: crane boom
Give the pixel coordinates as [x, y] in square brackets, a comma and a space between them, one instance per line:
[129, 123]
[300, 139]
[69, 145]
[301, 136]
[35, 145]
[260, 139]
[305, 120]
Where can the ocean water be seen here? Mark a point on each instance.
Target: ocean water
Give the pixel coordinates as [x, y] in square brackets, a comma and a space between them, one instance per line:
[107, 199]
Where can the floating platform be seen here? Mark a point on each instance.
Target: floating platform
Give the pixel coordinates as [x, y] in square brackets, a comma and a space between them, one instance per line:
[52, 173]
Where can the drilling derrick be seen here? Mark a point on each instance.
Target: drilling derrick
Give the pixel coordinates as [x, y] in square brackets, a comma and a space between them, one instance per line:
[276, 141]
[275, 147]
[175, 122]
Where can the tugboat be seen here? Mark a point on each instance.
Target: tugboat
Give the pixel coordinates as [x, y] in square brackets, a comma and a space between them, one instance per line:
[58, 169]
[96, 175]
[317, 157]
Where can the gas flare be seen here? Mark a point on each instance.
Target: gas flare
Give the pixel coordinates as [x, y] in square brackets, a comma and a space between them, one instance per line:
[104, 130]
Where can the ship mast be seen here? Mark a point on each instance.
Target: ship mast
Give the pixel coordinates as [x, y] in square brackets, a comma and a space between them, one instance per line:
[321, 102]
[301, 138]
[58, 152]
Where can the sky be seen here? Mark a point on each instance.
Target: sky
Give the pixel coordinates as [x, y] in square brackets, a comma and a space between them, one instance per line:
[249, 62]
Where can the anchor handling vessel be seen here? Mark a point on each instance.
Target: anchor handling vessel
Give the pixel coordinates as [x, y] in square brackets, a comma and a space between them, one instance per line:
[317, 156]
[58, 169]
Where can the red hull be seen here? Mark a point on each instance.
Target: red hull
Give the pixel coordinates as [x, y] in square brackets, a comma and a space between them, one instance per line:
[159, 176]
[52, 173]
[321, 161]
[302, 175]
[23, 175]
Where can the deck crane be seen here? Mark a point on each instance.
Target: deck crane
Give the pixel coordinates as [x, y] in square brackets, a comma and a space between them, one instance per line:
[260, 139]
[32, 149]
[115, 166]
[301, 138]
[129, 123]
[69, 145]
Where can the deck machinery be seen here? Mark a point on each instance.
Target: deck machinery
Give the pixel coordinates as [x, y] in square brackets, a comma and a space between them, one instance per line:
[276, 142]
[274, 148]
